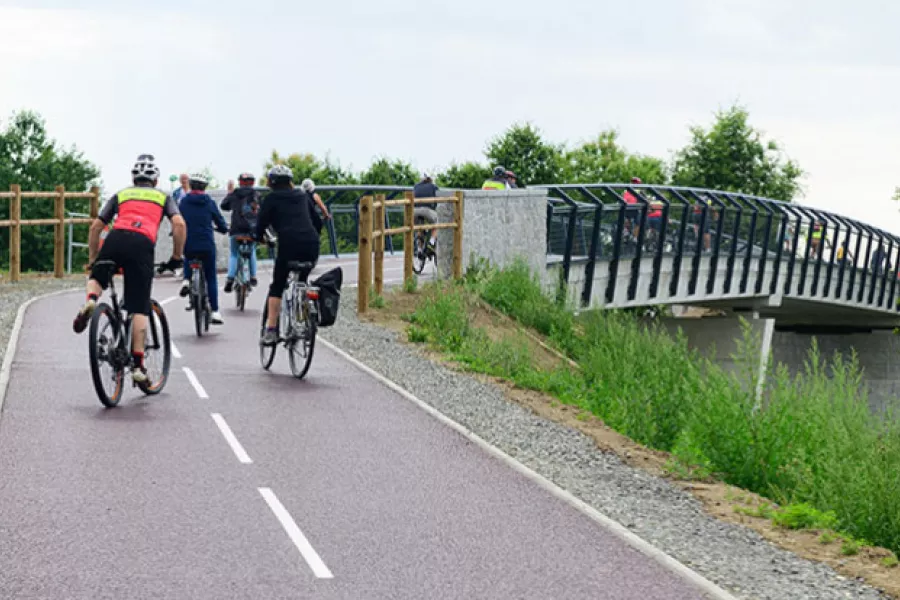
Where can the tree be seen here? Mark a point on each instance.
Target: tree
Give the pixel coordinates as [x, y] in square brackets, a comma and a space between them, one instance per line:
[732, 156]
[466, 176]
[522, 150]
[389, 172]
[322, 172]
[604, 160]
[28, 157]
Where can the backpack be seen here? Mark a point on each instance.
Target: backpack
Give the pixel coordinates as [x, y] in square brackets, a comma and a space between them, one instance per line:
[250, 211]
[329, 284]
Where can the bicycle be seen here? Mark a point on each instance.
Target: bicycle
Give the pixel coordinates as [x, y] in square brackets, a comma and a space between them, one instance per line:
[198, 294]
[297, 322]
[422, 254]
[242, 275]
[115, 347]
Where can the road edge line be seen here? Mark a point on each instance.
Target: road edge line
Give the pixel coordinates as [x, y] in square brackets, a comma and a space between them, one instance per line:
[616, 528]
[13, 343]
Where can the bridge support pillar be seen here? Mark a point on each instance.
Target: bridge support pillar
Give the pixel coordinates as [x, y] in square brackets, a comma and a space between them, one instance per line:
[878, 352]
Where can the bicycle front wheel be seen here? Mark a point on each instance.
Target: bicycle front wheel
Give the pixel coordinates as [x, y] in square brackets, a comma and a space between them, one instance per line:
[157, 344]
[107, 347]
[301, 347]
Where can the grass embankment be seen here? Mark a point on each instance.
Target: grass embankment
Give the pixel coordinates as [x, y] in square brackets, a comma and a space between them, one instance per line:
[812, 446]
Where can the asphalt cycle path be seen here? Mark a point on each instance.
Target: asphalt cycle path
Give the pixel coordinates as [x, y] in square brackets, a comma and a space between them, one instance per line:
[235, 482]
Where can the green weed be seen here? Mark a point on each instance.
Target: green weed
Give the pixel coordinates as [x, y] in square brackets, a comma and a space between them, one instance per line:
[809, 443]
[804, 516]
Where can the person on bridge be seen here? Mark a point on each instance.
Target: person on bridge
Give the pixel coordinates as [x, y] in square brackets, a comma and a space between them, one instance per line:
[244, 206]
[131, 244]
[497, 181]
[426, 213]
[200, 212]
[287, 210]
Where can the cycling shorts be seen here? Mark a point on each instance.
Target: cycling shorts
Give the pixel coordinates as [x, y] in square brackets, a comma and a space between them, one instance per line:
[289, 250]
[134, 253]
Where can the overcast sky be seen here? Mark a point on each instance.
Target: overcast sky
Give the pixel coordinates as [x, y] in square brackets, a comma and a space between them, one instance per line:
[223, 83]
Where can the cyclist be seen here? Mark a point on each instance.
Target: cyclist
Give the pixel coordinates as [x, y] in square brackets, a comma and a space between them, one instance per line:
[200, 212]
[130, 244]
[244, 206]
[308, 186]
[426, 212]
[287, 210]
[498, 181]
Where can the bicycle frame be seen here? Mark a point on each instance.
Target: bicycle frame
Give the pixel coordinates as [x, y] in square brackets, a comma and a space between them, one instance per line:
[299, 294]
[124, 326]
[242, 274]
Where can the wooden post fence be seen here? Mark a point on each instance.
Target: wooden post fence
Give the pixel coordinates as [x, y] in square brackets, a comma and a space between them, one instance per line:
[59, 221]
[372, 233]
[365, 253]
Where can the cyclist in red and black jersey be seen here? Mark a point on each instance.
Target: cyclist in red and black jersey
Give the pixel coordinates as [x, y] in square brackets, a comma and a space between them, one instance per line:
[131, 245]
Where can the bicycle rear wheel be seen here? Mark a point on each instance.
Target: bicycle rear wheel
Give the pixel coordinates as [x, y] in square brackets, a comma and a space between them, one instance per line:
[266, 353]
[306, 343]
[157, 341]
[240, 295]
[198, 300]
[107, 345]
[419, 258]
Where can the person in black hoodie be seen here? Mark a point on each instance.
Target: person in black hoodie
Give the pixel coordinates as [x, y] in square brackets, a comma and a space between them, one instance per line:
[244, 206]
[200, 213]
[287, 210]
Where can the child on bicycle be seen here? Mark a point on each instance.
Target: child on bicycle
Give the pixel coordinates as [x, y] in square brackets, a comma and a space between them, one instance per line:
[200, 213]
[244, 206]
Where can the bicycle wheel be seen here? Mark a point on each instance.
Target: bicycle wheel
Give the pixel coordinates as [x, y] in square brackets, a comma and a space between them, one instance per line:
[240, 295]
[266, 353]
[156, 342]
[198, 301]
[107, 345]
[301, 361]
[419, 258]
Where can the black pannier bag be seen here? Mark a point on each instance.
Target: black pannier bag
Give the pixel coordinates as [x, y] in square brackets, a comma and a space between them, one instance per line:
[329, 285]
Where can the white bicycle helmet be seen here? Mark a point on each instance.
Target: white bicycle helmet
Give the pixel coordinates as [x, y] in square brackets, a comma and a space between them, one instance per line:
[145, 168]
[199, 178]
[280, 172]
[308, 186]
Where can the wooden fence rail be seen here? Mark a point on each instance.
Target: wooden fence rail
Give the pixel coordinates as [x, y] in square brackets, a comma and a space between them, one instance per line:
[371, 239]
[16, 222]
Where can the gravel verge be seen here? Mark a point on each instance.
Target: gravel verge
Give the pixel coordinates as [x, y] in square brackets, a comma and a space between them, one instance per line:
[735, 558]
[13, 295]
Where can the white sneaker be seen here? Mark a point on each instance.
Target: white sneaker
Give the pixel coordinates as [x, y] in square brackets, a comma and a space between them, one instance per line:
[139, 376]
[216, 318]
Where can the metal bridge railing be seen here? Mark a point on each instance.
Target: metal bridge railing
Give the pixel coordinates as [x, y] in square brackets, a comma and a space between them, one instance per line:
[72, 243]
[342, 202]
[588, 223]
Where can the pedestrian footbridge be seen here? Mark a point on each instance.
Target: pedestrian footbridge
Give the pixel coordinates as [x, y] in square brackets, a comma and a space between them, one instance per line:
[621, 246]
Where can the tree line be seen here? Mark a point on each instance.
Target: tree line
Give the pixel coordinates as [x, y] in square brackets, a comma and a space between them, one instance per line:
[730, 154]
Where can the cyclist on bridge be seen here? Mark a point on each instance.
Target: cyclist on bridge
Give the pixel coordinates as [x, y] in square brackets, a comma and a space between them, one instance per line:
[131, 244]
[498, 181]
[287, 210]
[200, 212]
[244, 206]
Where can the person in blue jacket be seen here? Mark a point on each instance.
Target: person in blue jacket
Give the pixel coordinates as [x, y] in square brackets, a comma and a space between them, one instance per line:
[201, 213]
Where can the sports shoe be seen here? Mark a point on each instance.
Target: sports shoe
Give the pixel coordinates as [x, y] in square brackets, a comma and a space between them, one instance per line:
[185, 288]
[83, 316]
[216, 318]
[139, 375]
[270, 337]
